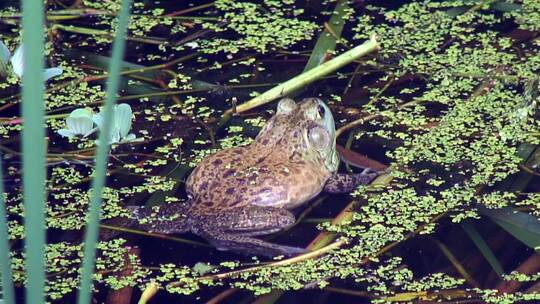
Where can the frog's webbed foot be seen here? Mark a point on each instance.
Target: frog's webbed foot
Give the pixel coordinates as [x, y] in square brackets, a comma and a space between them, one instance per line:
[344, 183]
[234, 230]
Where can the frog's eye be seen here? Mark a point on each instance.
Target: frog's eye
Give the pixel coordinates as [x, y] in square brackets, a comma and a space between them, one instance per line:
[286, 106]
[321, 110]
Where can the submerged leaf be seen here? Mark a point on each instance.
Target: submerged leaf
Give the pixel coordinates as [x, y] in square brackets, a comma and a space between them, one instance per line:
[483, 247]
[522, 226]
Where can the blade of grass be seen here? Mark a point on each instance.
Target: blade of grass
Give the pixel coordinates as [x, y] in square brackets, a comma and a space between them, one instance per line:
[522, 226]
[327, 41]
[5, 262]
[98, 182]
[482, 246]
[33, 148]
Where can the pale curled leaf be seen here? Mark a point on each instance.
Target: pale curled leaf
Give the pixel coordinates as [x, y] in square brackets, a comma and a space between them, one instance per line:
[5, 54]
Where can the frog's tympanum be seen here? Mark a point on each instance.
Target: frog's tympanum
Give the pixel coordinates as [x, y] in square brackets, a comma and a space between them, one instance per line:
[238, 194]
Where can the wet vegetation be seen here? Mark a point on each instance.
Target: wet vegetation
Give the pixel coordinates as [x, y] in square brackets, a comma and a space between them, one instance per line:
[449, 103]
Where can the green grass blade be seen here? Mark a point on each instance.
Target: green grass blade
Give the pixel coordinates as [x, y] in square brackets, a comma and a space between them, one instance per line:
[33, 148]
[327, 41]
[522, 226]
[98, 182]
[483, 247]
[5, 262]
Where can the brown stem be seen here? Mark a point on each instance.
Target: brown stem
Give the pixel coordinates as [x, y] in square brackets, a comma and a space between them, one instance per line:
[530, 266]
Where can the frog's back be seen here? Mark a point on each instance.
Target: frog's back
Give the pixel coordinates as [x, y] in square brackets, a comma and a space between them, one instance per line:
[241, 176]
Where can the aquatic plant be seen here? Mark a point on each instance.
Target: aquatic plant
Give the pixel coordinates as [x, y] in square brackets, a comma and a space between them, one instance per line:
[17, 63]
[121, 124]
[79, 122]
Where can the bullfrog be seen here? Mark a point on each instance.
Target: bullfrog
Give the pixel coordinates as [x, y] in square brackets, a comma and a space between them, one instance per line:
[238, 194]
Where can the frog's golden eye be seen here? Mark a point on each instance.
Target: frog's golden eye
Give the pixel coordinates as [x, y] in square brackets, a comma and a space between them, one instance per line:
[322, 111]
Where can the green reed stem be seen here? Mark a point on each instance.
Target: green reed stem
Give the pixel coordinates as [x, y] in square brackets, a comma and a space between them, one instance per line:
[5, 262]
[91, 237]
[33, 148]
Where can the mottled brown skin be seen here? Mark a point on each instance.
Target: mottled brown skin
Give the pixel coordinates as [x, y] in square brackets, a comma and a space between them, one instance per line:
[238, 193]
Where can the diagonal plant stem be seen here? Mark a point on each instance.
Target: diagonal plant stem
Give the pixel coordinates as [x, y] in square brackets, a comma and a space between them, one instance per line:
[94, 32]
[305, 78]
[455, 262]
[91, 236]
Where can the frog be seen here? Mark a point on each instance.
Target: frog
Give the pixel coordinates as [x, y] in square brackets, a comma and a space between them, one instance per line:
[239, 194]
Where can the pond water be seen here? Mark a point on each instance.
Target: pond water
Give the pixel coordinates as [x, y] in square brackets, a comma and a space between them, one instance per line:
[449, 104]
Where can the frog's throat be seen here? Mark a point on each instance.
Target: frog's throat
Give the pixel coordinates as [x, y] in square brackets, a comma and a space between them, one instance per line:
[331, 160]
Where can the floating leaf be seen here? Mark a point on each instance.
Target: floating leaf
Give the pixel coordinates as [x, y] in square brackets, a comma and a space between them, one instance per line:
[79, 125]
[66, 133]
[202, 268]
[52, 72]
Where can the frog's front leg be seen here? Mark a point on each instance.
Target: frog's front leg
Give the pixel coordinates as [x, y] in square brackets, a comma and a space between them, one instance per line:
[234, 230]
[345, 183]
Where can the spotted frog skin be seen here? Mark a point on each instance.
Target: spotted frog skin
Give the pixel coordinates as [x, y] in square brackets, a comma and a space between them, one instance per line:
[240, 193]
